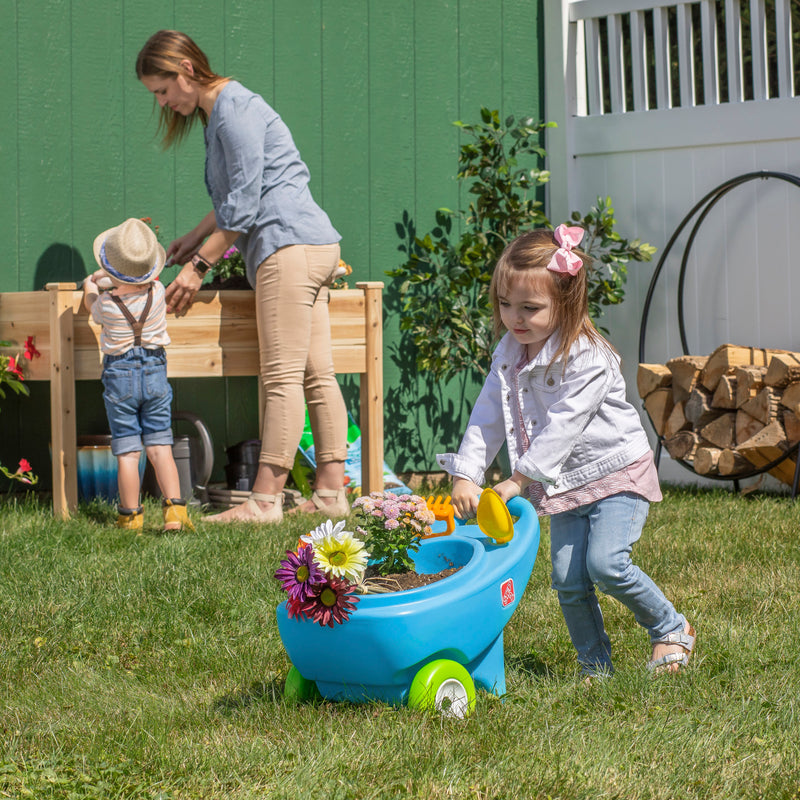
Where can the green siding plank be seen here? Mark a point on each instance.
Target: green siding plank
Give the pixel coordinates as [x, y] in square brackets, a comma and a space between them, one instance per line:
[44, 119]
[298, 83]
[436, 109]
[149, 171]
[391, 147]
[97, 127]
[346, 126]
[9, 149]
[249, 47]
[523, 70]
[203, 20]
[480, 55]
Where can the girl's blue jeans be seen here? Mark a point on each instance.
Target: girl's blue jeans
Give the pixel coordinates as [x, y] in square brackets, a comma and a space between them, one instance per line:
[590, 547]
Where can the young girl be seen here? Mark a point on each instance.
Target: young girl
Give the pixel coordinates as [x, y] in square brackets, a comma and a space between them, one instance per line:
[577, 448]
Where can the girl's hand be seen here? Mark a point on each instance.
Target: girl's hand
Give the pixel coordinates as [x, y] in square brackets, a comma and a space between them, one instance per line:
[180, 293]
[465, 498]
[513, 486]
[507, 489]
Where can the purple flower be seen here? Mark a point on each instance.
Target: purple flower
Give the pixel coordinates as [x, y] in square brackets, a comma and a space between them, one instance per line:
[299, 574]
[333, 602]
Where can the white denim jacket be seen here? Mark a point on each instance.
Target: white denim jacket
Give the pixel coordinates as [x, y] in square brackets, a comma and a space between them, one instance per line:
[580, 425]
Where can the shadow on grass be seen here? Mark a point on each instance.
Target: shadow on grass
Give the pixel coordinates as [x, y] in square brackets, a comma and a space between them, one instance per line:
[529, 664]
[98, 511]
[258, 692]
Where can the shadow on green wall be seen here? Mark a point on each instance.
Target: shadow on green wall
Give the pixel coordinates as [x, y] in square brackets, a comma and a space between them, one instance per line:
[59, 263]
[432, 414]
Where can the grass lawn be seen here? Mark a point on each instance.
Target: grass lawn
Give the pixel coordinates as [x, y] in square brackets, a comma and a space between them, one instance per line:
[150, 667]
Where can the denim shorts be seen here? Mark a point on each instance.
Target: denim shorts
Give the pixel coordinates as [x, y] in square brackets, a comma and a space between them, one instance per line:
[138, 399]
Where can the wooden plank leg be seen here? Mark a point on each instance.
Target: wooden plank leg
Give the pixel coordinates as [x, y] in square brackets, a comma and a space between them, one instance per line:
[371, 391]
[62, 400]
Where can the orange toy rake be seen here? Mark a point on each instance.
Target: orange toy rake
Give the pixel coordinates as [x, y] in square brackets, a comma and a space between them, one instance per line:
[442, 508]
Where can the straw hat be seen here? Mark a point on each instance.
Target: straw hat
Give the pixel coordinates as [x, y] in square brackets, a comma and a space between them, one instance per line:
[130, 253]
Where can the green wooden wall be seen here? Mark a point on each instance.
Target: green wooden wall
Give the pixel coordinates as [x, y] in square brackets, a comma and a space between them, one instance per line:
[369, 88]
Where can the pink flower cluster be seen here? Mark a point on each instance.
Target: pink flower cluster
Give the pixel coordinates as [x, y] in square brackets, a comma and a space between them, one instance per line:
[396, 511]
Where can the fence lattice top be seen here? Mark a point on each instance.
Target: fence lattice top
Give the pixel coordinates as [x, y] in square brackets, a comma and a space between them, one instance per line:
[636, 56]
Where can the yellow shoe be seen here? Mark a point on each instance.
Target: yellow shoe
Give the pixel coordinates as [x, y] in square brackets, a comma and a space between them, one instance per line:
[175, 516]
[131, 519]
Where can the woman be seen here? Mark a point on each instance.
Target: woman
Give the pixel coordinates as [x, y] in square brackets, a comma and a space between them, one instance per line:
[261, 203]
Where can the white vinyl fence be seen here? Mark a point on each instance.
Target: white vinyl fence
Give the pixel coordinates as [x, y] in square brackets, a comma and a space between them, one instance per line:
[658, 103]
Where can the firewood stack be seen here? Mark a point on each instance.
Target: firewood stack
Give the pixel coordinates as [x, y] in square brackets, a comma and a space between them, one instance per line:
[728, 413]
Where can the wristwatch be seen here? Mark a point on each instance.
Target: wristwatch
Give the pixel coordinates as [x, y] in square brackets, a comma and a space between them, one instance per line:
[200, 264]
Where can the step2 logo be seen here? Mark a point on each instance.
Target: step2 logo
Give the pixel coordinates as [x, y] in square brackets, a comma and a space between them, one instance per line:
[507, 592]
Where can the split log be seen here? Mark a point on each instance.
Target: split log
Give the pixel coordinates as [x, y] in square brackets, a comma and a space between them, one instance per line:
[732, 463]
[725, 393]
[682, 446]
[685, 371]
[764, 406]
[698, 408]
[783, 369]
[659, 405]
[676, 421]
[791, 397]
[728, 356]
[746, 426]
[721, 432]
[772, 436]
[650, 377]
[791, 424]
[706, 460]
[749, 382]
[766, 446]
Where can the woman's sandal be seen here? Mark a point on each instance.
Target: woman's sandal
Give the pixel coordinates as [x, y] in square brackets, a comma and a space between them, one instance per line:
[338, 508]
[250, 511]
[686, 639]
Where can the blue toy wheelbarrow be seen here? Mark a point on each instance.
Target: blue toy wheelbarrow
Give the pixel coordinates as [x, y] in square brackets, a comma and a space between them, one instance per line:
[428, 647]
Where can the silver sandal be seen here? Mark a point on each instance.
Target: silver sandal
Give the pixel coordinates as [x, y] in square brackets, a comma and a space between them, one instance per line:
[686, 639]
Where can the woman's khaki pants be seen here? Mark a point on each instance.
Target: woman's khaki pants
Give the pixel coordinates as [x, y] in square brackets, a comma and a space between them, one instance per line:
[294, 338]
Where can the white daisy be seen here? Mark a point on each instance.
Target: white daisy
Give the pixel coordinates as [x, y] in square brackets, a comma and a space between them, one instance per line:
[327, 528]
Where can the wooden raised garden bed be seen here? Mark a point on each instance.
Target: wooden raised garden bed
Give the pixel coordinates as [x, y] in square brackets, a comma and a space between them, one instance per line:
[216, 338]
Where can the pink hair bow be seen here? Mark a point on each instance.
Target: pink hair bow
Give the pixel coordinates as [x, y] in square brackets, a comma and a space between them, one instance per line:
[564, 260]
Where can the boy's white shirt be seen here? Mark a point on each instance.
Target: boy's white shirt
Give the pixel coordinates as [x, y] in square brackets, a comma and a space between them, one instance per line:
[580, 426]
[119, 339]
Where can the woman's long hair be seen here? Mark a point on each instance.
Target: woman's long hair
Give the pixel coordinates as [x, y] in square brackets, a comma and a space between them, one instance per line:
[526, 258]
[162, 56]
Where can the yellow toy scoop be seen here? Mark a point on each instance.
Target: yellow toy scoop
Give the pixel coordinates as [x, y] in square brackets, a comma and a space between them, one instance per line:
[494, 518]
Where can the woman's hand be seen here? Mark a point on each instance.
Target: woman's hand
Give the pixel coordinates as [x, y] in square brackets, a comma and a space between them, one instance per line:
[180, 293]
[465, 498]
[183, 248]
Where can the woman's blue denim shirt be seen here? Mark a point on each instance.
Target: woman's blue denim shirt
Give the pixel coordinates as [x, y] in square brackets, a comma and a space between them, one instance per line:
[257, 181]
[579, 424]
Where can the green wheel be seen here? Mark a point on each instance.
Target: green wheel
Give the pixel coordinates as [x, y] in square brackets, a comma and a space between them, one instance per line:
[444, 686]
[299, 689]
